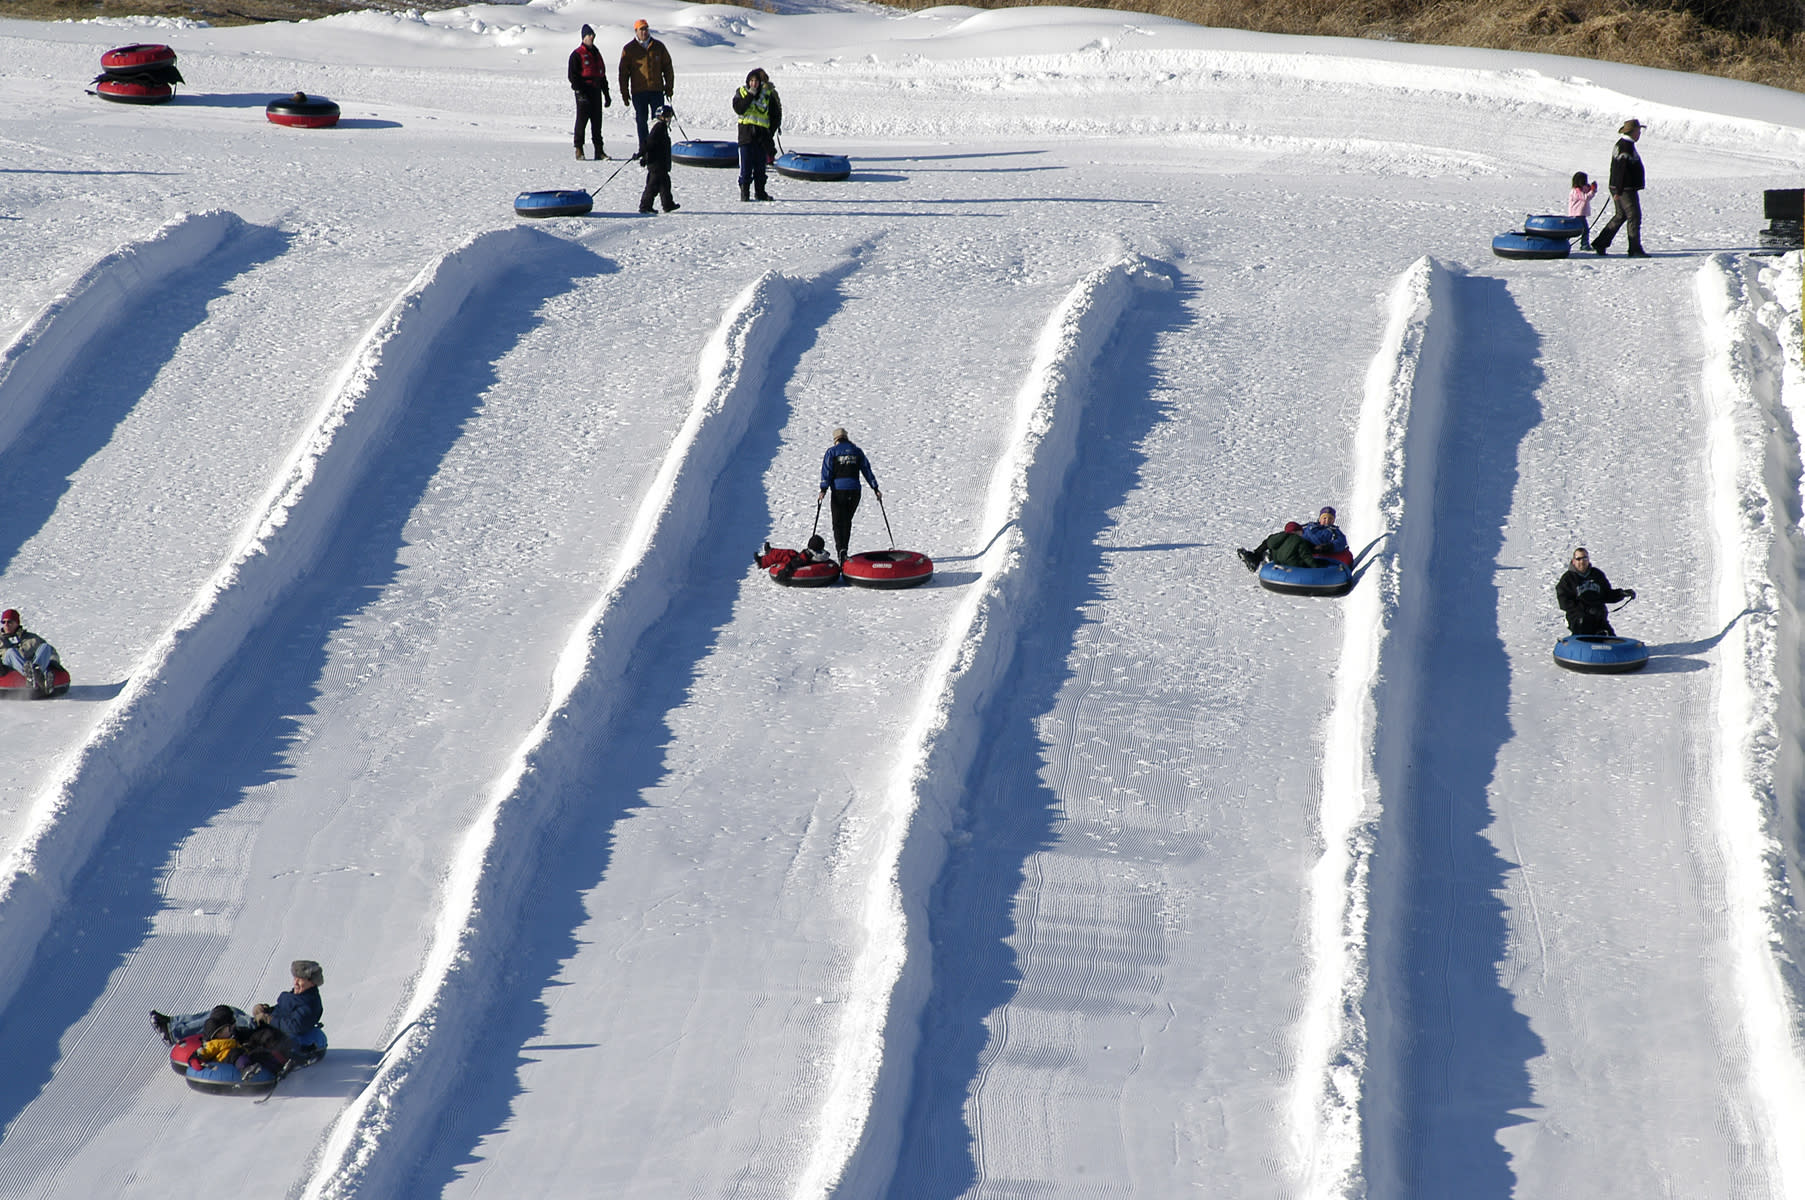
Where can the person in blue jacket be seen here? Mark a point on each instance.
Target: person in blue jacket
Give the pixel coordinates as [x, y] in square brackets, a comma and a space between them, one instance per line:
[841, 467]
[295, 1012]
[1324, 534]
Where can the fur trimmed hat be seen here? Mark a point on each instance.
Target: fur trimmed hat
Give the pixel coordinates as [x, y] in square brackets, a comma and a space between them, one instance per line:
[307, 971]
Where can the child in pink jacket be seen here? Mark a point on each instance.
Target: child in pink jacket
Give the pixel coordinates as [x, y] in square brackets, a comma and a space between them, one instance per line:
[1579, 204]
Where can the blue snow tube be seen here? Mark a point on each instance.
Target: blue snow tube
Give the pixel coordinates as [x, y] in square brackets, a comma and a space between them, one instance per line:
[564, 203]
[1530, 245]
[1599, 654]
[822, 168]
[706, 154]
[1327, 578]
[1550, 226]
[310, 1048]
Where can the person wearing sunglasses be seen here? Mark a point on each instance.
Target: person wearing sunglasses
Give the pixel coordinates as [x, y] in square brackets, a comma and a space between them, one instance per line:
[1583, 593]
[646, 78]
[28, 654]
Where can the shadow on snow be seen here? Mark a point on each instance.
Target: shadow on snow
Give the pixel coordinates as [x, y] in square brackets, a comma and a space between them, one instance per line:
[1011, 813]
[239, 740]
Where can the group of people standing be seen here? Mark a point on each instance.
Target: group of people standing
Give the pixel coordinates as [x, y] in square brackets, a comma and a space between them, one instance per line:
[647, 80]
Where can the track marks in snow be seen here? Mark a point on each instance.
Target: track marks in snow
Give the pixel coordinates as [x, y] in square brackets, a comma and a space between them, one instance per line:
[1754, 477]
[873, 1064]
[304, 515]
[608, 658]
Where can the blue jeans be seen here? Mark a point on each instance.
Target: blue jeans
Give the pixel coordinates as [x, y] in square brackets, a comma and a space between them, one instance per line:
[41, 660]
[188, 1024]
[643, 104]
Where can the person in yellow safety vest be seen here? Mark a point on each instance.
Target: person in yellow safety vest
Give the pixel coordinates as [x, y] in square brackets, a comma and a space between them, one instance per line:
[761, 116]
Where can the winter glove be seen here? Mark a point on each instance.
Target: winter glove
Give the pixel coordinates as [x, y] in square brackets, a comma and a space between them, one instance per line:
[1629, 593]
[607, 100]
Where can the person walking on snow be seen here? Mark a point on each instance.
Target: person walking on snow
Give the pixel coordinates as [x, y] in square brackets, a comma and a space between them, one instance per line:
[646, 77]
[656, 159]
[589, 80]
[1583, 592]
[841, 467]
[27, 653]
[1626, 184]
[761, 116]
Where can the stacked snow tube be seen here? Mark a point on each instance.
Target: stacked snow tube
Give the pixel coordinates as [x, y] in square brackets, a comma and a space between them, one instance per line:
[1598, 654]
[825, 168]
[1544, 235]
[141, 73]
[1784, 209]
[569, 202]
[706, 154]
[888, 569]
[301, 111]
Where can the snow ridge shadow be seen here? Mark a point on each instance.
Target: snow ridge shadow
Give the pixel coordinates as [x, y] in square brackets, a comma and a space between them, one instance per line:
[302, 518]
[74, 373]
[546, 838]
[875, 1065]
[1449, 1052]
[1005, 814]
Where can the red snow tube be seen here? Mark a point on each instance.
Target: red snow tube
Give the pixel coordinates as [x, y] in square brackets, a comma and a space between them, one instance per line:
[14, 684]
[819, 574]
[301, 111]
[133, 91]
[888, 568]
[136, 59]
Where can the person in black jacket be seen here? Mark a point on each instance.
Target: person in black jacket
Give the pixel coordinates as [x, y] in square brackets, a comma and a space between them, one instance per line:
[588, 76]
[1627, 181]
[1583, 592]
[656, 159]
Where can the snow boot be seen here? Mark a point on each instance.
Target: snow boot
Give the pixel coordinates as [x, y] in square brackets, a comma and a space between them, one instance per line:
[1636, 250]
[160, 1023]
[745, 191]
[760, 194]
[672, 207]
[579, 153]
[41, 683]
[1249, 559]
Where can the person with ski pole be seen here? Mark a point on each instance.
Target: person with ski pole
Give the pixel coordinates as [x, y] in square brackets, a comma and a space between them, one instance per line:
[841, 468]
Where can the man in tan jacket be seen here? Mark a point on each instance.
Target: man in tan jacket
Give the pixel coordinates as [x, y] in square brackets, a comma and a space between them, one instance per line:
[645, 75]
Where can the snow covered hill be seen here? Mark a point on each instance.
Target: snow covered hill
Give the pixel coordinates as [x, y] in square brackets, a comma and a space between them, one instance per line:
[400, 549]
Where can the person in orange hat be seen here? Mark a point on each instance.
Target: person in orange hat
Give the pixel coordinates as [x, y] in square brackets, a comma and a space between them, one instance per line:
[646, 77]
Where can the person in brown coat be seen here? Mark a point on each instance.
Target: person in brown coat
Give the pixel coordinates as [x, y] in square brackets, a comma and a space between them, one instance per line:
[645, 76]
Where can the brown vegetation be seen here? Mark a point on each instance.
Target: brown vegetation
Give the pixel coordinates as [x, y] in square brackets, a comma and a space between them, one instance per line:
[1761, 41]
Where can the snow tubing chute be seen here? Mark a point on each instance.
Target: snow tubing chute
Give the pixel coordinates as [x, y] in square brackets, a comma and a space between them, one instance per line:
[14, 684]
[1600, 654]
[818, 574]
[1329, 577]
[824, 168]
[567, 203]
[1530, 245]
[706, 154]
[888, 569]
[1549, 225]
[133, 91]
[301, 111]
[136, 59]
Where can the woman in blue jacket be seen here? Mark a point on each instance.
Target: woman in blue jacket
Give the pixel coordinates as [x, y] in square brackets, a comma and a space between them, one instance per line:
[841, 467]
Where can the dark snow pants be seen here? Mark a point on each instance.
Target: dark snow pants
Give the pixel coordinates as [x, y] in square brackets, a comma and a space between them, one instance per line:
[589, 115]
[845, 502]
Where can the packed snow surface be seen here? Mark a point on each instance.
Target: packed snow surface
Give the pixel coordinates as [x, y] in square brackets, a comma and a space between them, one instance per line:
[401, 552]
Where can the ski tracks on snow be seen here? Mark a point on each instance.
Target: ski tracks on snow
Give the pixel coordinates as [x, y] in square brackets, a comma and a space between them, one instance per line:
[373, 1146]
